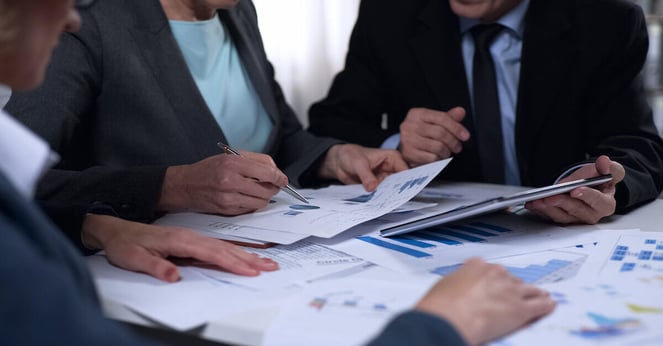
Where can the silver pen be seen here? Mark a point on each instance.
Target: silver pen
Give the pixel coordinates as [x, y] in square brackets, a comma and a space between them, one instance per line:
[287, 189]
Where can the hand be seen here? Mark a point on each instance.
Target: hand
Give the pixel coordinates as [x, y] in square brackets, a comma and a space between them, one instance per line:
[428, 135]
[144, 248]
[222, 184]
[352, 164]
[583, 204]
[484, 302]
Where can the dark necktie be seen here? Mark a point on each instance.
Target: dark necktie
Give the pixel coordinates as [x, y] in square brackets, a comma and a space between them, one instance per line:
[487, 116]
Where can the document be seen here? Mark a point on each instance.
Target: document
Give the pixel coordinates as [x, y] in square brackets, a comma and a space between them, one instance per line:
[331, 210]
[342, 312]
[183, 305]
[204, 294]
[214, 226]
[623, 312]
[623, 252]
[298, 263]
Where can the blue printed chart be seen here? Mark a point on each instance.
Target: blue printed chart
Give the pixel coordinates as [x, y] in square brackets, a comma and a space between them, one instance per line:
[536, 268]
[341, 312]
[627, 254]
[493, 236]
[640, 254]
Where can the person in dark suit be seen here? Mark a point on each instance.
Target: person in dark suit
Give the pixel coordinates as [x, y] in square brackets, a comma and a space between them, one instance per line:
[569, 92]
[47, 294]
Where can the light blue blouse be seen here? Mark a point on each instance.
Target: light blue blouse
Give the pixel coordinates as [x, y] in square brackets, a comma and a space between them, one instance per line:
[222, 81]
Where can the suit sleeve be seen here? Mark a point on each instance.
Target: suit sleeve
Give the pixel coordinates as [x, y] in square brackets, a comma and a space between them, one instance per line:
[418, 329]
[42, 304]
[353, 108]
[62, 112]
[622, 126]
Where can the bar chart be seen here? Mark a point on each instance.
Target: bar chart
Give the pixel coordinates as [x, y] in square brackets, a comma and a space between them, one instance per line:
[536, 268]
[491, 236]
[451, 235]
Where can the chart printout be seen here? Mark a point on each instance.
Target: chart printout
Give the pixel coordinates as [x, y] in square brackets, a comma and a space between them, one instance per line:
[335, 209]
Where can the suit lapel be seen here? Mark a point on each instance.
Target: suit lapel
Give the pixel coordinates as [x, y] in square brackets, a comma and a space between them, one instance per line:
[548, 50]
[163, 56]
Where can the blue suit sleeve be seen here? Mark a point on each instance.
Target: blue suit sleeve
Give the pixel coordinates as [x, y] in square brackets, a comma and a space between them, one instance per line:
[418, 329]
[42, 303]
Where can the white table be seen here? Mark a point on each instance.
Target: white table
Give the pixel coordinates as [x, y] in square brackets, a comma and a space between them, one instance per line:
[249, 326]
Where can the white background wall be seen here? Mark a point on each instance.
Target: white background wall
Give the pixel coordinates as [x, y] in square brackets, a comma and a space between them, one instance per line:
[306, 40]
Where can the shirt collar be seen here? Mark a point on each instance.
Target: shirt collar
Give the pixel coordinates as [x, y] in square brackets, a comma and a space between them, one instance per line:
[24, 157]
[514, 20]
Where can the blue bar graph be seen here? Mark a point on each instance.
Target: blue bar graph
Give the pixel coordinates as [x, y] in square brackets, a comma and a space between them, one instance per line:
[431, 238]
[491, 227]
[409, 241]
[449, 232]
[533, 273]
[390, 246]
[435, 238]
[473, 230]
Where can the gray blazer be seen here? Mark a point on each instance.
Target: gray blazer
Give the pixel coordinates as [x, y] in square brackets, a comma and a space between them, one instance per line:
[120, 106]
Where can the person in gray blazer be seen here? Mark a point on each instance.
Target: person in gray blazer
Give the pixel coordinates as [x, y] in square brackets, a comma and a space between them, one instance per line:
[136, 102]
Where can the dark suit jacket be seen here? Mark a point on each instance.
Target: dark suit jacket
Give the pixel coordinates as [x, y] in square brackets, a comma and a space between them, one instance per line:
[120, 105]
[580, 92]
[47, 295]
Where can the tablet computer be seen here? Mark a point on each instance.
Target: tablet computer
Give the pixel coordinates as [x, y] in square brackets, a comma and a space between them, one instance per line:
[492, 204]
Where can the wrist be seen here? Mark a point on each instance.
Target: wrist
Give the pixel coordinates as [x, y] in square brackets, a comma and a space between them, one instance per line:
[97, 230]
[171, 197]
[328, 167]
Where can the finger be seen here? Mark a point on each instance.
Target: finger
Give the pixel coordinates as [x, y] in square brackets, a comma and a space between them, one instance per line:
[365, 174]
[597, 204]
[458, 114]
[551, 212]
[258, 157]
[537, 307]
[397, 162]
[416, 157]
[140, 260]
[230, 257]
[434, 136]
[437, 146]
[531, 291]
[239, 203]
[603, 164]
[249, 187]
[260, 171]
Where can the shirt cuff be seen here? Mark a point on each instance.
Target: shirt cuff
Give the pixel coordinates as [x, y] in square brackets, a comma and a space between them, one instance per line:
[392, 142]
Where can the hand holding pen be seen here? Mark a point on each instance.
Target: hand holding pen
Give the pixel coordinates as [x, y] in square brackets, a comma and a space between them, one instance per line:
[287, 189]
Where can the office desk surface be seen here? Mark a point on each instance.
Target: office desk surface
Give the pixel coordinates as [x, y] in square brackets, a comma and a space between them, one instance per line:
[248, 327]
